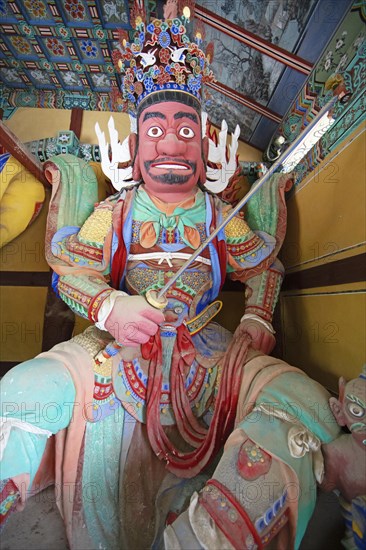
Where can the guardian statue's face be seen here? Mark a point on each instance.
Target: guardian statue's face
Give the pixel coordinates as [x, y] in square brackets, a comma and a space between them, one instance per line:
[354, 408]
[169, 157]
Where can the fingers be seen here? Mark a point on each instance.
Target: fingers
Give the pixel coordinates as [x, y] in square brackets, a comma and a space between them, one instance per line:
[154, 315]
[133, 332]
[145, 326]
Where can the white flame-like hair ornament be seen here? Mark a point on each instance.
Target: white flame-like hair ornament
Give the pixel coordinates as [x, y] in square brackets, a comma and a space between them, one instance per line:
[222, 156]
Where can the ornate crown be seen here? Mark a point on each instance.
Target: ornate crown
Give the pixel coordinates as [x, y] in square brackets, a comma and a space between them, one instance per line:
[161, 57]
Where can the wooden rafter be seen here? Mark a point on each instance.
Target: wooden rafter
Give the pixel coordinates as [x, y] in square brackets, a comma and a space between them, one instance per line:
[253, 41]
[76, 121]
[16, 148]
[245, 100]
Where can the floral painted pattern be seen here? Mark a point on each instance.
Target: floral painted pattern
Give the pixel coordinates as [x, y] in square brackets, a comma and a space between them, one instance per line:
[63, 31]
[164, 55]
[162, 76]
[21, 44]
[77, 67]
[75, 9]
[89, 49]
[55, 46]
[100, 33]
[36, 8]
[64, 138]
[138, 88]
[26, 29]
[45, 65]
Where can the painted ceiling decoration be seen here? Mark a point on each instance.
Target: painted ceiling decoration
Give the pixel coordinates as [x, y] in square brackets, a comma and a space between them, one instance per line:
[57, 54]
[345, 55]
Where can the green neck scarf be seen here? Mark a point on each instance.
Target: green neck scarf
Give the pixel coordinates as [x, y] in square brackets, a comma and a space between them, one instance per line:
[146, 211]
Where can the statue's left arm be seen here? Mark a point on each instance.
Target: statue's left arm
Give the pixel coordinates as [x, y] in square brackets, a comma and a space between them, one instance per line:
[253, 244]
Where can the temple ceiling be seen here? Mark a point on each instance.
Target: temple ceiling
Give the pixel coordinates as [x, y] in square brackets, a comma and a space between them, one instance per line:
[57, 54]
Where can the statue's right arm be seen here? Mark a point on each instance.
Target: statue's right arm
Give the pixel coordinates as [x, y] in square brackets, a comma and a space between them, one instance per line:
[83, 260]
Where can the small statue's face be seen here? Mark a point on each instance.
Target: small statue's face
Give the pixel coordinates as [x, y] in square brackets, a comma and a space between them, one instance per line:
[354, 408]
[170, 155]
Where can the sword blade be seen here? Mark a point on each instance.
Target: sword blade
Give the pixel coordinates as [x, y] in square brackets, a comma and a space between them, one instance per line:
[258, 184]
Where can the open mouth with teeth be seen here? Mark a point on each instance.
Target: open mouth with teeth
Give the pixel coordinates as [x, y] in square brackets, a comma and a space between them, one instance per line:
[170, 166]
[170, 171]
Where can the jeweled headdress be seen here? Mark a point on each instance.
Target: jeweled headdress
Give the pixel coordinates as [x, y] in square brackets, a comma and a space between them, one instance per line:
[161, 57]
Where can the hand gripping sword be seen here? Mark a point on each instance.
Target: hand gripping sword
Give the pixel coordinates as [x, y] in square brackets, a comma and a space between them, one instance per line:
[287, 162]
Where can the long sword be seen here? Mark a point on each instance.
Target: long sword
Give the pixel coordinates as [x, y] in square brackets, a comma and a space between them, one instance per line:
[258, 184]
[313, 131]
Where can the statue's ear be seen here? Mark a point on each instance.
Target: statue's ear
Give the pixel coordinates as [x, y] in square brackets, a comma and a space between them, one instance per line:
[337, 410]
[132, 142]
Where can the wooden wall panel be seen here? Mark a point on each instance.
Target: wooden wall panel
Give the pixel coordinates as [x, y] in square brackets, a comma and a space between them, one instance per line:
[323, 300]
[233, 308]
[324, 332]
[29, 124]
[326, 214]
[21, 315]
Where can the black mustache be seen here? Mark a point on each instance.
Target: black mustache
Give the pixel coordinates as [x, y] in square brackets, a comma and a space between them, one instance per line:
[170, 178]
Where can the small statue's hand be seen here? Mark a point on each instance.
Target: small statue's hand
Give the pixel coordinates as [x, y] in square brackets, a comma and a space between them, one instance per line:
[262, 338]
[132, 320]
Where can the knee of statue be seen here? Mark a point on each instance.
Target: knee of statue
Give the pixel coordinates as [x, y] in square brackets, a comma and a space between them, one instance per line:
[39, 392]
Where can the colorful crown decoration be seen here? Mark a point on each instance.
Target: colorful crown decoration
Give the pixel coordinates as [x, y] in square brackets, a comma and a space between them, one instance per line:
[161, 57]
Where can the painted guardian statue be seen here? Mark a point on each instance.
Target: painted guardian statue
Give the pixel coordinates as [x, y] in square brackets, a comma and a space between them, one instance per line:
[182, 435]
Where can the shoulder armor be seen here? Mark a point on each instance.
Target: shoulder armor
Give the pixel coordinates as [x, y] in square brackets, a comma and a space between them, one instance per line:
[237, 227]
[97, 226]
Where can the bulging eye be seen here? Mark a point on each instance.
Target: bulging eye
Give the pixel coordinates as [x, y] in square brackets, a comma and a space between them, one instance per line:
[178, 309]
[186, 132]
[356, 410]
[155, 131]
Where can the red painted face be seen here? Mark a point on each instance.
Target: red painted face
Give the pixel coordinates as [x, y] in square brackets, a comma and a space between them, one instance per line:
[170, 151]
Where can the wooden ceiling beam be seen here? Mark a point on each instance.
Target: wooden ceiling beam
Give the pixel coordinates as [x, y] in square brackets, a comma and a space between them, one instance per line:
[253, 41]
[245, 100]
[16, 148]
